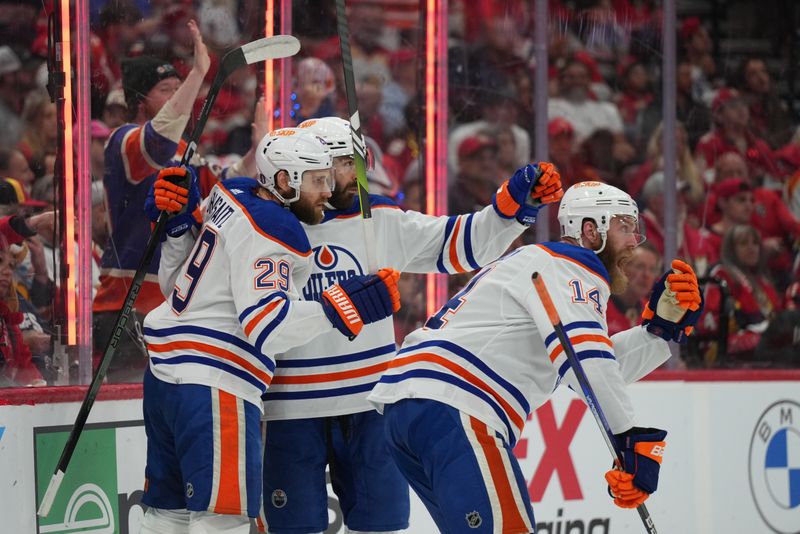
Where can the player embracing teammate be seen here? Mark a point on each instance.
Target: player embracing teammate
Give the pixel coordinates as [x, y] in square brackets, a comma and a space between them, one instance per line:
[316, 408]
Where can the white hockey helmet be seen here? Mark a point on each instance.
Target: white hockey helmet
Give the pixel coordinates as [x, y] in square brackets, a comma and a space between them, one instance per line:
[597, 201]
[295, 151]
[335, 132]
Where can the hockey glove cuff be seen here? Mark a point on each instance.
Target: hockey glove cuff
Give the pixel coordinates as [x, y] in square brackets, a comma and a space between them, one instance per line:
[175, 191]
[678, 304]
[361, 300]
[531, 187]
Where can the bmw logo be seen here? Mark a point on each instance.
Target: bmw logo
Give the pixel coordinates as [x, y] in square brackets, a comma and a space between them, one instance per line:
[775, 467]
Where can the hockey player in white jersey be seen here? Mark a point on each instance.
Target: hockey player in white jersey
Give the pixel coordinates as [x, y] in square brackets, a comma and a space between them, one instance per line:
[232, 306]
[316, 409]
[456, 396]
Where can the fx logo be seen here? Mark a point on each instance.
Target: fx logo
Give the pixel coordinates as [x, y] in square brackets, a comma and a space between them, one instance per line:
[556, 459]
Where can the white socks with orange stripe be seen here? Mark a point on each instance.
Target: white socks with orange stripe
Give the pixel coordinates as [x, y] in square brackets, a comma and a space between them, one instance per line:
[157, 521]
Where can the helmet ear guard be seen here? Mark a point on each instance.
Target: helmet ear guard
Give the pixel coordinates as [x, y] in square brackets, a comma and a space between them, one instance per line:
[596, 201]
[291, 150]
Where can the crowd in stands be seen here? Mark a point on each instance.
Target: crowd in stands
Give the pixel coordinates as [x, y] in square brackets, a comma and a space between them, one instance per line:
[737, 143]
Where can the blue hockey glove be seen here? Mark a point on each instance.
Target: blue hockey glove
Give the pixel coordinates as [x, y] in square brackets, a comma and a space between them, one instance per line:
[177, 192]
[360, 300]
[675, 304]
[531, 187]
[642, 450]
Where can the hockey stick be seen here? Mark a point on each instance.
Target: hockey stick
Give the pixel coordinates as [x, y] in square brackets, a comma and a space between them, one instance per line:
[257, 51]
[586, 387]
[359, 144]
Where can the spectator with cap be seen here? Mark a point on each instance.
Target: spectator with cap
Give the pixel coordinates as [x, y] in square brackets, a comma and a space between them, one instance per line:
[731, 133]
[115, 112]
[99, 134]
[636, 94]
[625, 309]
[159, 106]
[694, 246]
[474, 184]
[588, 116]
[769, 115]
[697, 48]
[12, 96]
[777, 225]
[497, 107]
[565, 155]
[315, 91]
[398, 91]
[735, 204]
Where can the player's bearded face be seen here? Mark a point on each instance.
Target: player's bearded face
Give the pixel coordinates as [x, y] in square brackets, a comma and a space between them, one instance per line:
[344, 171]
[315, 192]
[620, 242]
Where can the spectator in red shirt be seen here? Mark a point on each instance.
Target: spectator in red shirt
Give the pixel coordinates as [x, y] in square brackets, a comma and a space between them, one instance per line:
[769, 115]
[756, 300]
[777, 225]
[694, 246]
[625, 310]
[731, 133]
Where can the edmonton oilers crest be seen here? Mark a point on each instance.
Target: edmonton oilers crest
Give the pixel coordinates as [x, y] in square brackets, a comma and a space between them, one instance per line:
[775, 466]
[332, 264]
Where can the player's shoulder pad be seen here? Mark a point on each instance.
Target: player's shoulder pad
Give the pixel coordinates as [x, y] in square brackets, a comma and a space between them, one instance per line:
[118, 133]
[582, 256]
[375, 201]
[267, 217]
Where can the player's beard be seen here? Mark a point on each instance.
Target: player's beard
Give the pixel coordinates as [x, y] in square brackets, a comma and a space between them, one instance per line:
[615, 261]
[342, 197]
[308, 212]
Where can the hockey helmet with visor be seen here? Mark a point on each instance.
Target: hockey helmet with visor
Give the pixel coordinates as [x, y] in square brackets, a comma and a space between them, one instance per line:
[601, 203]
[305, 158]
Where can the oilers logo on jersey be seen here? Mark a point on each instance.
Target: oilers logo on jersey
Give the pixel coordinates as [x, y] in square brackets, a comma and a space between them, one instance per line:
[335, 264]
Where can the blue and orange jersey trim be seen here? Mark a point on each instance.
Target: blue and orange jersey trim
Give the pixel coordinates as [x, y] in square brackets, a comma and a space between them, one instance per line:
[580, 256]
[267, 217]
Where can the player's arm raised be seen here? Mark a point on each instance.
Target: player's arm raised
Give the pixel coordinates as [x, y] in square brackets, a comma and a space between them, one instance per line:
[175, 191]
[584, 323]
[673, 309]
[414, 242]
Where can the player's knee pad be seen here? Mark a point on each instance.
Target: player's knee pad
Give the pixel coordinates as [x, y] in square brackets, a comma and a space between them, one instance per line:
[158, 521]
[210, 523]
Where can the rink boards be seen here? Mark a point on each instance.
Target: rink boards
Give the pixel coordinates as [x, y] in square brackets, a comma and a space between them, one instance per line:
[732, 463]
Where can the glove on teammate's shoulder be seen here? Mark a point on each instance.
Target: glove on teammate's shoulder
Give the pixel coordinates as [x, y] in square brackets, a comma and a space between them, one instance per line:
[360, 300]
[525, 193]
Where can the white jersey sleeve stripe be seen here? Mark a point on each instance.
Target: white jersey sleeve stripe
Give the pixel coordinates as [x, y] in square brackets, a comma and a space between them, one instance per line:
[198, 333]
[471, 359]
[485, 397]
[584, 355]
[260, 304]
[578, 339]
[336, 360]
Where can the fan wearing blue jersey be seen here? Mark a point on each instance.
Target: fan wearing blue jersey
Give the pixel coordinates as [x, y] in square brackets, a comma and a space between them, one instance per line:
[458, 393]
[233, 305]
[316, 408]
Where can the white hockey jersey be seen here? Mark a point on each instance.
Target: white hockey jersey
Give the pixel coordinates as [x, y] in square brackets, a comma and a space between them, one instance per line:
[229, 305]
[330, 375]
[492, 353]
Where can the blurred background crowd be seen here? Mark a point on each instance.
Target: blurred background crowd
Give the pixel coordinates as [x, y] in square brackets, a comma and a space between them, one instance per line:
[737, 156]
